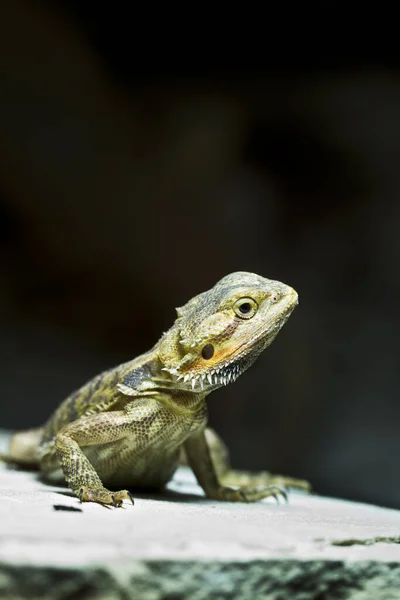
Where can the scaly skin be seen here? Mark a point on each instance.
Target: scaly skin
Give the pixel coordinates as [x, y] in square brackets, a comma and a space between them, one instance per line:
[128, 426]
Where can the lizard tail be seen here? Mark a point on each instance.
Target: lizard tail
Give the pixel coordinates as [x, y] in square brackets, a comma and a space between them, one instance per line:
[23, 448]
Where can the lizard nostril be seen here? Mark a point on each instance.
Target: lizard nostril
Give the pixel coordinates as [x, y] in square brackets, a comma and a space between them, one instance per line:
[208, 352]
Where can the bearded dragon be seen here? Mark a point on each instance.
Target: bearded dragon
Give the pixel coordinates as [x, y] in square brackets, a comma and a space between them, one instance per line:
[129, 426]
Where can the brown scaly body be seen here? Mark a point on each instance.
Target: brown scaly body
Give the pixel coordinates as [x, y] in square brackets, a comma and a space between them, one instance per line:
[128, 426]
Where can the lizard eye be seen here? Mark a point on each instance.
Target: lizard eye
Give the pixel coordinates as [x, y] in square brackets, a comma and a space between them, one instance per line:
[245, 308]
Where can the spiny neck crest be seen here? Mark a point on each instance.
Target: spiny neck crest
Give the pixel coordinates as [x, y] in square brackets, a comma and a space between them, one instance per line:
[212, 378]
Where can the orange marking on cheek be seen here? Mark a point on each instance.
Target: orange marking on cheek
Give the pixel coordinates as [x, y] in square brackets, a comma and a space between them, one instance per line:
[220, 356]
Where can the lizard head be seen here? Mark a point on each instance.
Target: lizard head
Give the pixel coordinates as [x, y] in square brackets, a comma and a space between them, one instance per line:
[220, 333]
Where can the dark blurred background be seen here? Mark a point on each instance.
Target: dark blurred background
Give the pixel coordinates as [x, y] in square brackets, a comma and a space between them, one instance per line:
[132, 178]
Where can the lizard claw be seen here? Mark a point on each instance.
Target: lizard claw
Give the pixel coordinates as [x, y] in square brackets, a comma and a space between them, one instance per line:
[276, 491]
[248, 494]
[280, 491]
[119, 503]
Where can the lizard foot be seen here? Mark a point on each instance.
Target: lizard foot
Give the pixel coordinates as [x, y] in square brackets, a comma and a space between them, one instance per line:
[264, 479]
[291, 482]
[104, 496]
[249, 494]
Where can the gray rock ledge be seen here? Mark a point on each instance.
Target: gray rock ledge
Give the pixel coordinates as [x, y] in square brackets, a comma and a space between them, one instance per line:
[183, 546]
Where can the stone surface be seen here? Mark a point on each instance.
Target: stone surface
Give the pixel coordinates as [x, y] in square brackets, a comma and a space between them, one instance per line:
[180, 545]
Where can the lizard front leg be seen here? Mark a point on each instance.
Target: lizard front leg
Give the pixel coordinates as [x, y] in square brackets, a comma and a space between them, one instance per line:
[104, 428]
[199, 458]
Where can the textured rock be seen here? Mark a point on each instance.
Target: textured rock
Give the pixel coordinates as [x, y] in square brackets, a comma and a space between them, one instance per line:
[183, 546]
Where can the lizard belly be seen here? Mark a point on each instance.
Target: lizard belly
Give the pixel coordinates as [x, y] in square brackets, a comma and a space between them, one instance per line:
[143, 462]
[150, 468]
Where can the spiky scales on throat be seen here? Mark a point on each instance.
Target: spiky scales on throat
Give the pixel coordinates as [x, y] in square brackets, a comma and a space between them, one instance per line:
[220, 333]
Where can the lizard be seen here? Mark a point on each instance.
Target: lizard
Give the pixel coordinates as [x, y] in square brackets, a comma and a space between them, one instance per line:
[133, 424]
